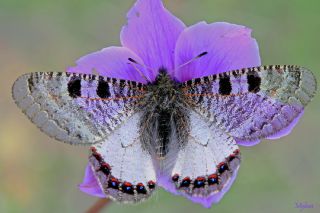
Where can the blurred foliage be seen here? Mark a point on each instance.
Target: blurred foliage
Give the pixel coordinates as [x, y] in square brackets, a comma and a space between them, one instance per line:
[37, 174]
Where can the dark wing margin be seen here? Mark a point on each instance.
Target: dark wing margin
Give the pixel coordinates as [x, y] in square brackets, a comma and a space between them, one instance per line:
[252, 103]
[76, 108]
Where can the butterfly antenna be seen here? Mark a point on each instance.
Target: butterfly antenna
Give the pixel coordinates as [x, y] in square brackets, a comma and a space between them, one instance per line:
[134, 63]
[193, 59]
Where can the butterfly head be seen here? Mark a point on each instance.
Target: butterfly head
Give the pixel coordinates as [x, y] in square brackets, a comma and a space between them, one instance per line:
[163, 77]
[164, 89]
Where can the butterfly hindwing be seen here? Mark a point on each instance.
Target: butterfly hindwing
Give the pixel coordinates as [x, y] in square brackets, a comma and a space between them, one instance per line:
[252, 103]
[124, 169]
[204, 165]
[76, 108]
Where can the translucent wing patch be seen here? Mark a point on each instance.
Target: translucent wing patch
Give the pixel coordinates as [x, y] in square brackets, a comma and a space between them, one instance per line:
[123, 168]
[76, 108]
[206, 163]
[252, 103]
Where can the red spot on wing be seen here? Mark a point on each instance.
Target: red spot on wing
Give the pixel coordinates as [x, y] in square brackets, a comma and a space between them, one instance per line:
[175, 177]
[151, 184]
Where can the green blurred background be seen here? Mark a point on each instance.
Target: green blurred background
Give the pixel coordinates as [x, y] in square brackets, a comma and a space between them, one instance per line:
[38, 174]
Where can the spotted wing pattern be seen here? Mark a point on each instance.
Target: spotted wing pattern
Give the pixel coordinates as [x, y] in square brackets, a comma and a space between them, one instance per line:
[252, 103]
[124, 169]
[76, 108]
[207, 161]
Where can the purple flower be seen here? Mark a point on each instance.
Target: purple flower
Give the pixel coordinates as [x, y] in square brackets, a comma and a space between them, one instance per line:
[155, 38]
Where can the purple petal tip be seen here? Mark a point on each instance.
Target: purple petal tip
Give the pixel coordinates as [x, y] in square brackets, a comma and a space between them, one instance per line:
[247, 143]
[90, 185]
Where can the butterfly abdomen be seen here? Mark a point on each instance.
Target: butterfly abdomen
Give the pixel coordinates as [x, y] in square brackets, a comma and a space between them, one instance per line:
[164, 131]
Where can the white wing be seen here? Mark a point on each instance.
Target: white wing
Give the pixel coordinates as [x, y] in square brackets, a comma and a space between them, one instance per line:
[124, 168]
[206, 163]
[76, 108]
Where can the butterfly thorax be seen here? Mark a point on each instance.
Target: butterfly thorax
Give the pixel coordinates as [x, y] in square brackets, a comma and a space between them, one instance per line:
[163, 92]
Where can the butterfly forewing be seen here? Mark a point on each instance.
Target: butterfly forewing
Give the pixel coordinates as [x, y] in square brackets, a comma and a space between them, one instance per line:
[76, 108]
[252, 103]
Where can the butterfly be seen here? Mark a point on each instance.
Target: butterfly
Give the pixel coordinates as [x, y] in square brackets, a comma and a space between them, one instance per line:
[185, 132]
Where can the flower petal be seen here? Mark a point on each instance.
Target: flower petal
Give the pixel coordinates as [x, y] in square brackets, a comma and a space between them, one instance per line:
[90, 184]
[286, 131]
[112, 62]
[152, 32]
[228, 47]
[248, 143]
[204, 201]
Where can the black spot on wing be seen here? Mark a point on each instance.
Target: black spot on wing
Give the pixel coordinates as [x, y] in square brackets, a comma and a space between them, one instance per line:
[103, 89]
[30, 83]
[49, 75]
[206, 80]
[214, 78]
[189, 83]
[122, 85]
[225, 86]
[254, 82]
[74, 87]
[134, 84]
[197, 80]
[140, 86]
